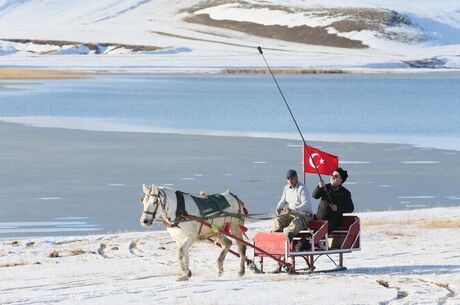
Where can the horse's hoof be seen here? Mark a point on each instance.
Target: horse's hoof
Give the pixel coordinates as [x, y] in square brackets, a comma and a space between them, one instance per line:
[241, 273]
[184, 277]
[219, 269]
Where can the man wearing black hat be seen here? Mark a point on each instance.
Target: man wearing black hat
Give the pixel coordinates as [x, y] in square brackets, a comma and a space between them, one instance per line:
[340, 196]
[294, 210]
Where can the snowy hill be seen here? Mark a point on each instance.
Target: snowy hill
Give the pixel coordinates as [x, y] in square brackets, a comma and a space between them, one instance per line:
[220, 33]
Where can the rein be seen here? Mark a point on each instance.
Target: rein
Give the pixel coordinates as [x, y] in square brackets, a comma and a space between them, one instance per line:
[203, 222]
[251, 216]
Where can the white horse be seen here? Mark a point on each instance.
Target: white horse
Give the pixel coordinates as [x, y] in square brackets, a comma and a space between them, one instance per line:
[162, 204]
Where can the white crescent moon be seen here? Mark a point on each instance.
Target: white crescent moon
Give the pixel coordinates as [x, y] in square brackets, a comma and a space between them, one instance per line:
[310, 160]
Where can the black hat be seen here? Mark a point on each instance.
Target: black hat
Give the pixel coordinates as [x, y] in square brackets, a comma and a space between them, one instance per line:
[343, 173]
[291, 173]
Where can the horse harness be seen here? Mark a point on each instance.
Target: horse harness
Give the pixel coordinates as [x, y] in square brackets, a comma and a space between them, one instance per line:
[180, 211]
[182, 215]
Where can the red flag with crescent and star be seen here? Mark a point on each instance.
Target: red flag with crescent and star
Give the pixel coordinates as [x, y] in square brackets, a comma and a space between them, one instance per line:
[325, 162]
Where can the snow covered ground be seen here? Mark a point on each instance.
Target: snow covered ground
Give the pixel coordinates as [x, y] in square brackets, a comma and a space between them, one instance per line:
[407, 257]
[193, 35]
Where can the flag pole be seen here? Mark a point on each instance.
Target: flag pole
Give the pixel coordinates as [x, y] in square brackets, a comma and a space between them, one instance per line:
[292, 115]
[303, 166]
[296, 125]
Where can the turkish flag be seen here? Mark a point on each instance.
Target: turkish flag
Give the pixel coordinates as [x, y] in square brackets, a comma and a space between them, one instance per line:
[325, 162]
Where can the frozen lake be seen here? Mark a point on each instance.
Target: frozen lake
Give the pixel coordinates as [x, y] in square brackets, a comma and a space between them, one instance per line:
[57, 181]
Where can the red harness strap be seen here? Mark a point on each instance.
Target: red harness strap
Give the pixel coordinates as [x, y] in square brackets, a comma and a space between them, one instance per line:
[204, 222]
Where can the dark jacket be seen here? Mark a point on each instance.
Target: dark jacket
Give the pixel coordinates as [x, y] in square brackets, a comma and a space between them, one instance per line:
[340, 197]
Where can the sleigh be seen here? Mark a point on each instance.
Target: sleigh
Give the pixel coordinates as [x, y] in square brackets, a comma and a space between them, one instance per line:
[276, 246]
[317, 242]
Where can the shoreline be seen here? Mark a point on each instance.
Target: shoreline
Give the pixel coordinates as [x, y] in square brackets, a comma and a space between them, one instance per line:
[107, 125]
[368, 218]
[56, 72]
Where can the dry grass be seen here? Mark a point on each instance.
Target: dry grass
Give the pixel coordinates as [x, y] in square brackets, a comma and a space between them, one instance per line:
[13, 264]
[394, 235]
[401, 222]
[23, 73]
[77, 252]
[441, 223]
[443, 285]
[384, 283]
[372, 223]
[53, 254]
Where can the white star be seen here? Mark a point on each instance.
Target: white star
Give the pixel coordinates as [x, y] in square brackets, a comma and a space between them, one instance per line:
[321, 161]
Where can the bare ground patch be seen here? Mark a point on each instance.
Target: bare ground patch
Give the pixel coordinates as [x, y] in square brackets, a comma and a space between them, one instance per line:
[298, 34]
[97, 48]
[206, 4]
[352, 19]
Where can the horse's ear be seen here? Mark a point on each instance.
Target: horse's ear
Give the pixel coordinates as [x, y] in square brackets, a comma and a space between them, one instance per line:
[145, 189]
[153, 190]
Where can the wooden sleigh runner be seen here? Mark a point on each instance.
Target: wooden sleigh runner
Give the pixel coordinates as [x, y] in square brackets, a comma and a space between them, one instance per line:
[318, 241]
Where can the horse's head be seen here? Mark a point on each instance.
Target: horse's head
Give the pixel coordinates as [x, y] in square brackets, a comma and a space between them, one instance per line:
[151, 203]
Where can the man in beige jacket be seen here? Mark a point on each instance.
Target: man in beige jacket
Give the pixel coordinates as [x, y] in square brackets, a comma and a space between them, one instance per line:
[294, 210]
